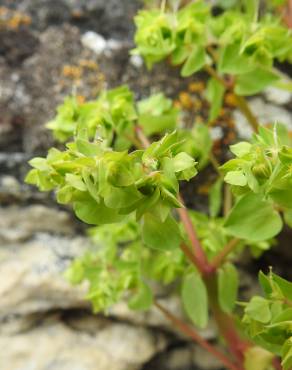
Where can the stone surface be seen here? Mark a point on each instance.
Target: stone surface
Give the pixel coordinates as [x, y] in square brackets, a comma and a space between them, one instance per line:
[266, 114]
[111, 17]
[18, 224]
[33, 275]
[174, 359]
[155, 318]
[278, 96]
[204, 360]
[55, 346]
[37, 283]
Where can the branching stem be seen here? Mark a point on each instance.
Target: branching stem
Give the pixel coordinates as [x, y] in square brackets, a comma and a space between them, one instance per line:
[221, 256]
[197, 256]
[198, 252]
[191, 333]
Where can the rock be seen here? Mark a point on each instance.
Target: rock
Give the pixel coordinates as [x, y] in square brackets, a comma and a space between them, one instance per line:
[13, 191]
[204, 360]
[18, 224]
[37, 283]
[179, 358]
[99, 45]
[15, 163]
[277, 96]
[155, 318]
[113, 346]
[266, 114]
[17, 45]
[14, 324]
[136, 61]
[216, 133]
[94, 42]
[111, 17]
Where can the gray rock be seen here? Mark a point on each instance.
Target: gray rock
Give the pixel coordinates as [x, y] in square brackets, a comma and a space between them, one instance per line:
[34, 279]
[204, 360]
[277, 96]
[173, 359]
[111, 17]
[94, 42]
[266, 114]
[18, 224]
[55, 346]
[155, 318]
[37, 283]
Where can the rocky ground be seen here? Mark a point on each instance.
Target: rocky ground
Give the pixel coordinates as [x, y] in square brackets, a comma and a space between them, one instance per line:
[49, 49]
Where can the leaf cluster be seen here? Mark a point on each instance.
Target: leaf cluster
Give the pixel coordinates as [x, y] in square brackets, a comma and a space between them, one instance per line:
[260, 176]
[119, 267]
[268, 319]
[104, 185]
[113, 116]
[242, 45]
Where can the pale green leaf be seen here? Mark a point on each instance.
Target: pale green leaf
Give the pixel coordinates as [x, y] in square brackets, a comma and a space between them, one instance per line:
[195, 299]
[227, 287]
[236, 178]
[160, 235]
[259, 309]
[253, 219]
[143, 299]
[253, 82]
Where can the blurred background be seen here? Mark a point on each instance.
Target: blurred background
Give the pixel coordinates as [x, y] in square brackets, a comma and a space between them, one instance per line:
[50, 49]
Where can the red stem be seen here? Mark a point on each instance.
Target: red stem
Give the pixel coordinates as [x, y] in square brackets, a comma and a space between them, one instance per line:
[277, 364]
[198, 253]
[198, 257]
[221, 256]
[225, 323]
[190, 332]
[287, 14]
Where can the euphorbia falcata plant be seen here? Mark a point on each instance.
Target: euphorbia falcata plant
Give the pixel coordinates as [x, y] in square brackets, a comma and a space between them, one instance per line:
[127, 184]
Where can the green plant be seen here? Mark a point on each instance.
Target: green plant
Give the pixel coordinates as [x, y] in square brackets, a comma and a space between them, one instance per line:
[116, 178]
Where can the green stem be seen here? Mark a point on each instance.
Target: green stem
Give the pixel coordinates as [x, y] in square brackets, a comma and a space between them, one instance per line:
[245, 109]
[214, 163]
[241, 102]
[227, 199]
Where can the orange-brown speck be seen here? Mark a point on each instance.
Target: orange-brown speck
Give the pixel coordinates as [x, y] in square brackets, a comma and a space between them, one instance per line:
[196, 87]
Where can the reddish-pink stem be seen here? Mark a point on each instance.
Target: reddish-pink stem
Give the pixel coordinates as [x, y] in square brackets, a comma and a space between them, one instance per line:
[202, 262]
[221, 256]
[190, 332]
[277, 364]
[198, 257]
